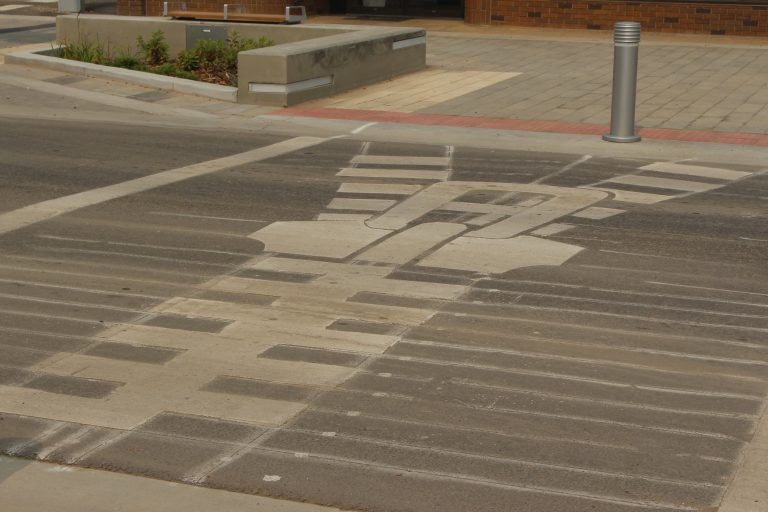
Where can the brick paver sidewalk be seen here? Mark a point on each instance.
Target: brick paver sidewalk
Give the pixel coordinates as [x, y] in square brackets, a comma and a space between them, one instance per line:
[686, 83]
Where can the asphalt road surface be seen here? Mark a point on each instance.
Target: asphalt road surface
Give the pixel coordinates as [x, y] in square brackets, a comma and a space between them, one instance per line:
[26, 28]
[380, 326]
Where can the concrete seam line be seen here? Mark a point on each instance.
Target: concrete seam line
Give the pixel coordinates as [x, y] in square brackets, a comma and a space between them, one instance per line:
[32, 214]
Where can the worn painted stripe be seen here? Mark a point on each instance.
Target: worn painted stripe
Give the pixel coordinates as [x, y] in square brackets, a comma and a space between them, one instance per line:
[46, 210]
[665, 183]
[379, 188]
[628, 196]
[439, 161]
[696, 170]
[409, 174]
[373, 205]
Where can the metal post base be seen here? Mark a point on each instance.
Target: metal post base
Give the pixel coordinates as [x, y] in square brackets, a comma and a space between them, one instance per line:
[616, 138]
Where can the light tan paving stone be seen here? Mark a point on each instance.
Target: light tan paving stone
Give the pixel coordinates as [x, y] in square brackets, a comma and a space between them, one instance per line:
[317, 337]
[334, 239]
[498, 209]
[379, 188]
[404, 161]
[328, 268]
[373, 205]
[695, 170]
[408, 174]
[419, 90]
[597, 213]
[553, 229]
[665, 183]
[485, 219]
[343, 216]
[628, 196]
[499, 255]
[409, 244]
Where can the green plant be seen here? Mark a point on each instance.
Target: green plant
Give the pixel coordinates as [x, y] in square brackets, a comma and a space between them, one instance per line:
[155, 50]
[209, 60]
[171, 69]
[188, 60]
[248, 43]
[128, 61]
[216, 60]
[84, 51]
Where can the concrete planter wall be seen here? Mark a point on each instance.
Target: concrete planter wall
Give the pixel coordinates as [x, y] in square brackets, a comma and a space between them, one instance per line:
[307, 62]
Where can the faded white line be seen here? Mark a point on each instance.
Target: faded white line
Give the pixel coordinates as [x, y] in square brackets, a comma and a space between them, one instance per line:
[496, 484]
[625, 291]
[12, 312]
[81, 305]
[563, 169]
[46, 210]
[606, 402]
[706, 288]
[517, 461]
[149, 246]
[510, 307]
[189, 215]
[362, 128]
[574, 358]
[110, 270]
[79, 289]
[574, 378]
[611, 302]
[71, 439]
[625, 332]
[64, 250]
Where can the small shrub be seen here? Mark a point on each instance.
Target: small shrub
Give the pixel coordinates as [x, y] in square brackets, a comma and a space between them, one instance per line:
[155, 50]
[171, 69]
[209, 60]
[128, 61]
[84, 51]
[215, 60]
[188, 61]
[241, 45]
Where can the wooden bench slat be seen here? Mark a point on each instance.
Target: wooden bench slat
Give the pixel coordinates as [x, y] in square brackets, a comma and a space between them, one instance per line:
[202, 15]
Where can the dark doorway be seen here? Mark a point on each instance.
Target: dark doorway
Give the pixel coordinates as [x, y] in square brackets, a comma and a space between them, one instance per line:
[420, 8]
[337, 7]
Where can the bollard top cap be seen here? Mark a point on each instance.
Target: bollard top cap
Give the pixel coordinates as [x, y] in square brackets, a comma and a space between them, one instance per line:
[627, 32]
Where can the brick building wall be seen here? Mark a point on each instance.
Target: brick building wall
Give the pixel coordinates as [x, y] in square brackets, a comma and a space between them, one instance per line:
[702, 18]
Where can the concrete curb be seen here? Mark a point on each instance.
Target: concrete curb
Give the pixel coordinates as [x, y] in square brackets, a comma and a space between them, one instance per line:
[168, 83]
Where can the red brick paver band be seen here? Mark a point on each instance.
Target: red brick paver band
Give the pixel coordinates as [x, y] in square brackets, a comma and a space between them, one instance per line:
[751, 139]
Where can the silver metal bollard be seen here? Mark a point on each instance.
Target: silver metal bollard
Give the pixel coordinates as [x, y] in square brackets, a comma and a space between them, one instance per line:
[626, 39]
